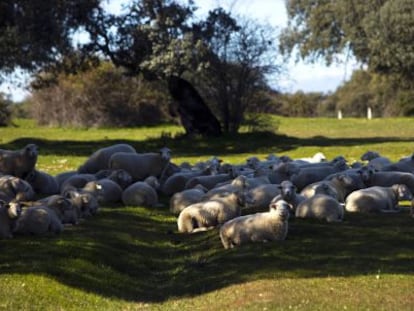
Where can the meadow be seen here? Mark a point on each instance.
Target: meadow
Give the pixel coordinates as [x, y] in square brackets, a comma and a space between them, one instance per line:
[132, 258]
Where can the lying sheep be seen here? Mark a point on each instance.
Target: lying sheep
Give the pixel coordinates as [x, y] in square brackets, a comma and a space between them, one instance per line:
[9, 212]
[320, 206]
[259, 227]
[15, 188]
[404, 165]
[377, 199]
[142, 193]
[262, 195]
[62, 177]
[62, 206]
[209, 181]
[85, 203]
[182, 199]
[38, 220]
[375, 159]
[105, 190]
[20, 162]
[77, 181]
[121, 177]
[288, 194]
[42, 183]
[99, 159]
[142, 165]
[320, 187]
[387, 179]
[209, 214]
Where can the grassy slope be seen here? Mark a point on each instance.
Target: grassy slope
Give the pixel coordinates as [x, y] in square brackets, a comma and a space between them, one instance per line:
[132, 258]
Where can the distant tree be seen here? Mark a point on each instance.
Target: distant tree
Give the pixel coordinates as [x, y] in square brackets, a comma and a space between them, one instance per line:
[5, 111]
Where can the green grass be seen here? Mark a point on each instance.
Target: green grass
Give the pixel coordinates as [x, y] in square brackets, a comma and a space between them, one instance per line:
[128, 258]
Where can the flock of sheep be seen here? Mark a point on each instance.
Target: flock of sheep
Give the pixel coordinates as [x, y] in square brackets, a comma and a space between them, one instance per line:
[206, 195]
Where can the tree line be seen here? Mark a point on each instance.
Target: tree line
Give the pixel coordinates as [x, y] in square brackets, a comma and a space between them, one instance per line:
[118, 76]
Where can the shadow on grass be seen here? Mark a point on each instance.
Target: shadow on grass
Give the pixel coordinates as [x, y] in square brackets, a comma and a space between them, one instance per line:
[263, 142]
[136, 254]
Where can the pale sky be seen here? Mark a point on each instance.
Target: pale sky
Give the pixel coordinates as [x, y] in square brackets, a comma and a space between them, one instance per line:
[299, 76]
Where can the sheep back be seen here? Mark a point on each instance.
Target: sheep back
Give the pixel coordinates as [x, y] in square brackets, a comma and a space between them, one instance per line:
[320, 206]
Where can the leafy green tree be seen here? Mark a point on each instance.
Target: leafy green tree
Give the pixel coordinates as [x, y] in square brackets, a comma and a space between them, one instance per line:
[379, 33]
[38, 32]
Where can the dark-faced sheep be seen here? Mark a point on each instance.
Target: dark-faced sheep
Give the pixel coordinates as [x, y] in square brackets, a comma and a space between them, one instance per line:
[20, 162]
[260, 227]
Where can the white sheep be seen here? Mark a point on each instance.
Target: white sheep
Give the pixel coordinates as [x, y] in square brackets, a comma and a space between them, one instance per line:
[106, 191]
[389, 178]
[288, 194]
[38, 220]
[259, 227]
[99, 159]
[9, 212]
[142, 165]
[182, 199]
[316, 158]
[15, 188]
[20, 162]
[209, 214]
[142, 193]
[42, 182]
[322, 207]
[377, 199]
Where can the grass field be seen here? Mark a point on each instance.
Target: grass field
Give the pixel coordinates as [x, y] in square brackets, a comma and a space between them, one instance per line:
[132, 258]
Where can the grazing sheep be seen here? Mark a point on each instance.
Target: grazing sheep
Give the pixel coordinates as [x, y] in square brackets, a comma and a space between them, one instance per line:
[105, 190]
[320, 206]
[42, 183]
[20, 162]
[38, 220]
[142, 193]
[260, 227]
[14, 188]
[142, 165]
[288, 194]
[9, 212]
[182, 199]
[99, 159]
[209, 214]
[377, 199]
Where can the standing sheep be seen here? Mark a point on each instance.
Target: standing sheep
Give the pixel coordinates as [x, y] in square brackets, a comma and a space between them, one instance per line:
[320, 206]
[9, 212]
[99, 159]
[142, 165]
[259, 227]
[20, 162]
[209, 214]
[377, 199]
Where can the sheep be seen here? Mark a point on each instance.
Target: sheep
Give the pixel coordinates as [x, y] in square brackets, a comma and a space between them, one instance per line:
[121, 177]
[377, 199]
[86, 204]
[260, 227]
[62, 206]
[9, 212]
[375, 160]
[42, 183]
[288, 194]
[12, 187]
[240, 183]
[99, 159]
[316, 158]
[176, 182]
[182, 199]
[142, 193]
[282, 171]
[77, 181]
[322, 207]
[142, 165]
[262, 195]
[20, 162]
[38, 220]
[105, 190]
[209, 214]
[388, 178]
[208, 181]
[308, 175]
[320, 187]
[62, 177]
